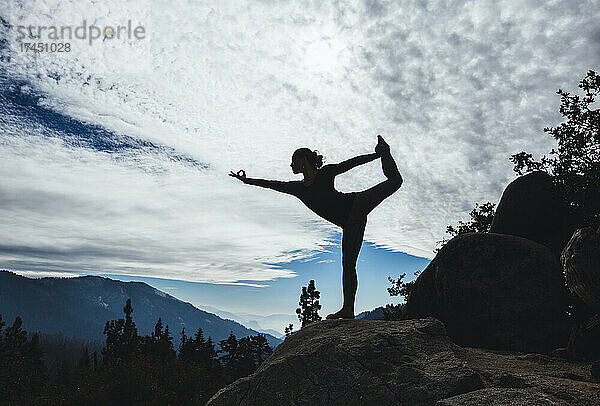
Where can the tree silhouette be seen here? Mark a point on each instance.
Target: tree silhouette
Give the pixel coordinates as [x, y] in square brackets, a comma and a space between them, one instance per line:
[308, 312]
[15, 337]
[261, 348]
[401, 288]
[246, 363]
[229, 349]
[209, 354]
[95, 361]
[398, 288]
[197, 349]
[481, 222]
[575, 164]
[63, 376]
[130, 333]
[84, 360]
[22, 370]
[186, 347]
[242, 357]
[121, 337]
[159, 344]
[289, 329]
[135, 369]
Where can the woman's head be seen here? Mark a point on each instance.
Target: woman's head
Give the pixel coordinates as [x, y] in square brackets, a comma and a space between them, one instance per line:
[305, 156]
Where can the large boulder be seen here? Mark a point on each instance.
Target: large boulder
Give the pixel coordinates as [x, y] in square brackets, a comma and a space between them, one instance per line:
[409, 362]
[531, 207]
[495, 291]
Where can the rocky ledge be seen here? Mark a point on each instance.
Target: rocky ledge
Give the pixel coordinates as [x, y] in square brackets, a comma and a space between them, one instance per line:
[409, 362]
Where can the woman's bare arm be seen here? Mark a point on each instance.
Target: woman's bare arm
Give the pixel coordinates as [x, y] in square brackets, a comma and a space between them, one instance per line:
[289, 187]
[353, 162]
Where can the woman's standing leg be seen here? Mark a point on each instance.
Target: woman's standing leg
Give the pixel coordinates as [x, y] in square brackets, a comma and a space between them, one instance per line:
[352, 239]
[353, 232]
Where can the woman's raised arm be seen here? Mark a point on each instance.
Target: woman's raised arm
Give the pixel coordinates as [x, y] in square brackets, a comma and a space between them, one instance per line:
[353, 162]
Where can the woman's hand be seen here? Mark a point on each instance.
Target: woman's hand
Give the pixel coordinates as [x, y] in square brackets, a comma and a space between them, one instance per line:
[382, 147]
[241, 175]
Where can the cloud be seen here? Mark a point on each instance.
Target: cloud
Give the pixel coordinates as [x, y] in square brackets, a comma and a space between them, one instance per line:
[113, 157]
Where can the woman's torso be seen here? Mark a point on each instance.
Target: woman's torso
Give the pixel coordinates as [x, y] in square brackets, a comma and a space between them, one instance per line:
[321, 197]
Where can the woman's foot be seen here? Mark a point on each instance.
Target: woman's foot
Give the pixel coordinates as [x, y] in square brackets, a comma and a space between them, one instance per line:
[342, 314]
[382, 147]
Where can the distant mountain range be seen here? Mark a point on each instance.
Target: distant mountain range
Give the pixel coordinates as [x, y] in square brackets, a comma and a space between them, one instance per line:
[268, 324]
[273, 324]
[375, 314]
[79, 307]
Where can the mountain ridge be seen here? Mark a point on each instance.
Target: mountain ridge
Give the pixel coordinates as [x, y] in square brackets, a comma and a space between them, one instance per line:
[79, 307]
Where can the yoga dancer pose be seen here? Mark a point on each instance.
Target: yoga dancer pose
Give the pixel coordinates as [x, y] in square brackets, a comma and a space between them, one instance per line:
[347, 210]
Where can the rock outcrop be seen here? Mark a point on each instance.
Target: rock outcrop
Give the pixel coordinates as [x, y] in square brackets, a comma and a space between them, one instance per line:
[357, 361]
[581, 263]
[584, 341]
[531, 207]
[409, 362]
[495, 291]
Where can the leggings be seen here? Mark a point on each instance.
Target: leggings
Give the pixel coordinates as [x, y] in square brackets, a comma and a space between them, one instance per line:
[354, 229]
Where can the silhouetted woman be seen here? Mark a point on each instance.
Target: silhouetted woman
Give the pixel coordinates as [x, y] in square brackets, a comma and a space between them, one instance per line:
[347, 210]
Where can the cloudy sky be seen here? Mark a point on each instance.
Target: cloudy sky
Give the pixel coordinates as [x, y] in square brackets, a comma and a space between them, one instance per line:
[114, 156]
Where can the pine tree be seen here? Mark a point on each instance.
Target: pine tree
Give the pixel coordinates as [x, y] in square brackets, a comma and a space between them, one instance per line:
[185, 347]
[198, 350]
[159, 344]
[261, 348]
[33, 354]
[130, 333]
[210, 354]
[199, 336]
[15, 337]
[83, 364]
[229, 347]
[245, 364]
[95, 361]
[243, 356]
[22, 370]
[158, 330]
[308, 312]
[165, 345]
[63, 377]
[122, 339]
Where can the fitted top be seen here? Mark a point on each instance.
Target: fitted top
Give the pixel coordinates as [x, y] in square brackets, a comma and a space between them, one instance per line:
[320, 196]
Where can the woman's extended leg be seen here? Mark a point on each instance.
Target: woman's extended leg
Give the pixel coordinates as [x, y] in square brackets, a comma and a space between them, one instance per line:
[352, 239]
[368, 199]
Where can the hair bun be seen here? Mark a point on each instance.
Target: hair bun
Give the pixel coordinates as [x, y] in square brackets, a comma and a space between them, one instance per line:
[318, 159]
